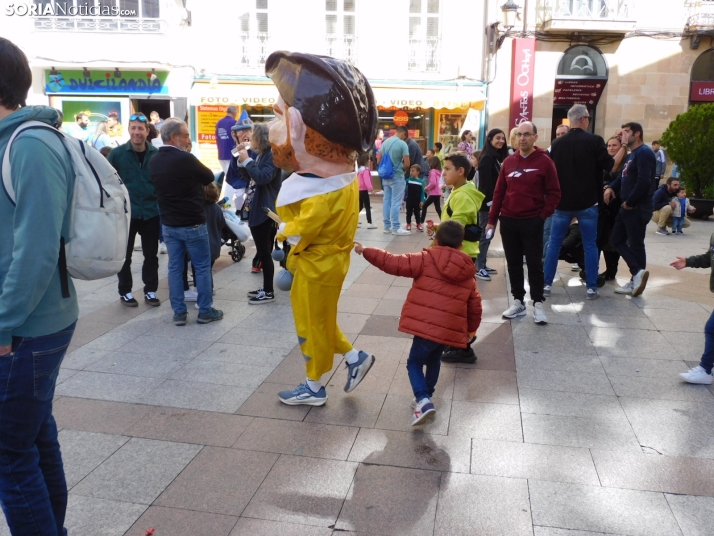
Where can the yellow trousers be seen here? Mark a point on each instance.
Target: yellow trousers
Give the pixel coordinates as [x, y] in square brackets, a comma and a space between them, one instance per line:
[315, 314]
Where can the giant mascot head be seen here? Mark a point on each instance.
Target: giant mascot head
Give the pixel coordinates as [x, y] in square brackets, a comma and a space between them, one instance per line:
[325, 116]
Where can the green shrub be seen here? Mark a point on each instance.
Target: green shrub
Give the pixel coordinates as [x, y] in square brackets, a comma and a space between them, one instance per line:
[688, 142]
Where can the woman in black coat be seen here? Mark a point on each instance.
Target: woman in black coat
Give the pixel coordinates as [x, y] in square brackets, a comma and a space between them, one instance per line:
[495, 151]
[266, 178]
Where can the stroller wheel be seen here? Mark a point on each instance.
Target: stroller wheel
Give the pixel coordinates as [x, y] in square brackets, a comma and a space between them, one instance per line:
[237, 252]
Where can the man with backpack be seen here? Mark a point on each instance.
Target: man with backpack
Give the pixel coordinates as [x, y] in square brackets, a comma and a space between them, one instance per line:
[36, 321]
[131, 161]
[393, 159]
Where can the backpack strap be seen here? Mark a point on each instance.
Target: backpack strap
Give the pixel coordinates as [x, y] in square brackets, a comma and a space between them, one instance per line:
[63, 273]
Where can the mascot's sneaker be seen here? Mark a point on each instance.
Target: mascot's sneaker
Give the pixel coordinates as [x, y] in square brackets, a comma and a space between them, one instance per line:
[302, 395]
[357, 371]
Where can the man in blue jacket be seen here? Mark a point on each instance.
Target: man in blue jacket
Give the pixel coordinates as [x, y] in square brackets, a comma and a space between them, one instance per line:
[36, 322]
[663, 206]
[635, 186]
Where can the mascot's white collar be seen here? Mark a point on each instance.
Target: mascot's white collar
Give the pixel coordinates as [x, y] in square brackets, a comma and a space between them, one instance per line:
[296, 187]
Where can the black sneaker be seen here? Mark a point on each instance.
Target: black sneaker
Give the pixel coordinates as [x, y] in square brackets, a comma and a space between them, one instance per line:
[212, 316]
[151, 299]
[180, 319]
[262, 297]
[254, 293]
[459, 355]
[129, 300]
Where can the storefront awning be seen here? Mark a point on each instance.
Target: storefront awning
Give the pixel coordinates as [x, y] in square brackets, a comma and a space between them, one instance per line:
[439, 98]
[411, 98]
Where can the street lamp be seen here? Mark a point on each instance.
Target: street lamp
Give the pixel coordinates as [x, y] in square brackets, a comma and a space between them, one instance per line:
[510, 12]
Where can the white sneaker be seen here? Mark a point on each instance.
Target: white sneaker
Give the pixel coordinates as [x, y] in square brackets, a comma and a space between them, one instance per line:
[639, 282]
[538, 314]
[575, 268]
[371, 226]
[162, 248]
[546, 290]
[627, 288]
[190, 295]
[401, 232]
[697, 375]
[387, 231]
[517, 309]
[591, 294]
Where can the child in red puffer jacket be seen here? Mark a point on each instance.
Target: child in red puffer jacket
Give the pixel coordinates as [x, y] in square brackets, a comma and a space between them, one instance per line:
[443, 307]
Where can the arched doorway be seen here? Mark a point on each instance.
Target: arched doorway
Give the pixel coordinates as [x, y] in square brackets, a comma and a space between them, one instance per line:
[702, 78]
[580, 79]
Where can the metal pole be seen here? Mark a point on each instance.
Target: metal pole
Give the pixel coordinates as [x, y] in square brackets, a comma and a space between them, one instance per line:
[525, 16]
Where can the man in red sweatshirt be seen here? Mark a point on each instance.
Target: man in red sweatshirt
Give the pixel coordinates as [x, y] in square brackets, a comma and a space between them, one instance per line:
[527, 192]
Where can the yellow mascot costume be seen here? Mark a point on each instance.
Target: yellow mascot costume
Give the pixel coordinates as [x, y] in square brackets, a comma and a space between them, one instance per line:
[324, 118]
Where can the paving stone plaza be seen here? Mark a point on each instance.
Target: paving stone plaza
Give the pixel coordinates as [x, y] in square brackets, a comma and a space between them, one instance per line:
[581, 427]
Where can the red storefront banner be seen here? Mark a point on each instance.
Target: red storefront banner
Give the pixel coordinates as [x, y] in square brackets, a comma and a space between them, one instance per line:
[522, 73]
[578, 91]
[702, 92]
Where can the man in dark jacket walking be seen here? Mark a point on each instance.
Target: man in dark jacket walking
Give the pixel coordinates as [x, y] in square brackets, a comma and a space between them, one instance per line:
[179, 178]
[580, 158]
[131, 160]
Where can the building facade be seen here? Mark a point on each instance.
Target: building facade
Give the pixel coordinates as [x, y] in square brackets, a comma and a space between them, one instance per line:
[627, 60]
[192, 59]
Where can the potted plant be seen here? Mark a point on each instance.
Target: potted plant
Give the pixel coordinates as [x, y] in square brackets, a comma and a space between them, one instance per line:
[688, 141]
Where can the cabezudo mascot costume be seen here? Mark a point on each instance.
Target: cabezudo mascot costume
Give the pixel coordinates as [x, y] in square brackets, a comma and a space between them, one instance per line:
[325, 116]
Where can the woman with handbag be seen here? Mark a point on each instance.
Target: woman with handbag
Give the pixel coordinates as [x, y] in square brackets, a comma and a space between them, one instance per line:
[266, 180]
[494, 152]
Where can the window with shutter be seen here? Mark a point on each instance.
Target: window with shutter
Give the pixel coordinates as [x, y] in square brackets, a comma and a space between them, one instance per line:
[341, 29]
[424, 35]
[129, 16]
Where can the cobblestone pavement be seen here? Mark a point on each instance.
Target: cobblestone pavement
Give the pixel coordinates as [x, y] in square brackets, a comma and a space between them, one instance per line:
[581, 427]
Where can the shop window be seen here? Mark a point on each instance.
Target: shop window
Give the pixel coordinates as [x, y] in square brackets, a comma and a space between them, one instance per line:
[254, 33]
[341, 29]
[424, 36]
[125, 16]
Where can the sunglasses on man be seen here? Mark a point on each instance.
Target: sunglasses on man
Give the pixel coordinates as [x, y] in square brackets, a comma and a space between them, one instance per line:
[138, 117]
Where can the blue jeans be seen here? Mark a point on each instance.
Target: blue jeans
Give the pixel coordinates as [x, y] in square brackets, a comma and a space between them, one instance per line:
[587, 221]
[33, 490]
[677, 223]
[707, 361]
[193, 239]
[424, 353]
[393, 197]
[547, 225]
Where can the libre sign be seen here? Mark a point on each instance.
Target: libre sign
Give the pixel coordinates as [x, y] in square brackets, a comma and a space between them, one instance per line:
[522, 71]
[702, 92]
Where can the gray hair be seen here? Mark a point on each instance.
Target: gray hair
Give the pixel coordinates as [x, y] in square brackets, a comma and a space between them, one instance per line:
[576, 113]
[260, 135]
[171, 126]
[231, 110]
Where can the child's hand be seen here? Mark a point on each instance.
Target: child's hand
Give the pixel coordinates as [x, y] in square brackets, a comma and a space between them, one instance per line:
[680, 263]
[359, 248]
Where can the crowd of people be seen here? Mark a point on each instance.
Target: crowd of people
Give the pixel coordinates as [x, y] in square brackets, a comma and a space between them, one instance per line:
[579, 198]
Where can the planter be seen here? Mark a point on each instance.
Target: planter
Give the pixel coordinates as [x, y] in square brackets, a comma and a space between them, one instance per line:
[704, 207]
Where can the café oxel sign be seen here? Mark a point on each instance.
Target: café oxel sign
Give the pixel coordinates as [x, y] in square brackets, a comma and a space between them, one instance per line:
[522, 69]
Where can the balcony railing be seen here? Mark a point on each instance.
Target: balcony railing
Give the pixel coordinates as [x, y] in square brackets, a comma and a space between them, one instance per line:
[425, 54]
[254, 49]
[343, 47]
[586, 15]
[99, 24]
[700, 14]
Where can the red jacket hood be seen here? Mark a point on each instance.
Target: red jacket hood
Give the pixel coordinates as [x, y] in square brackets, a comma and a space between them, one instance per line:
[536, 154]
[453, 264]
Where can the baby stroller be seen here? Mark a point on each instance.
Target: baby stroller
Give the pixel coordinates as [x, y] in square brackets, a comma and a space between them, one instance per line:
[230, 239]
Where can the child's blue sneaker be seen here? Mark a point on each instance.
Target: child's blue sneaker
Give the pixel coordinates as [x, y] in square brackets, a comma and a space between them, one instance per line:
[423, 411]
[302, 395]
[357, 371]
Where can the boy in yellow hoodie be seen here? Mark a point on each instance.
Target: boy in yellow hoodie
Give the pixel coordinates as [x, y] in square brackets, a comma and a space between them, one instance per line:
[462, 206]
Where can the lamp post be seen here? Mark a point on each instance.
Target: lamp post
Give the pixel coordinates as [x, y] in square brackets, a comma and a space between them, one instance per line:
[510, 12]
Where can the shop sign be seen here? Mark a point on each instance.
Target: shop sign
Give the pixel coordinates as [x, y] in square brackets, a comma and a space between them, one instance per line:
[702, 92]
[522, 73]
[401, 119]
[101, 82]
[578, 91]
[206, 118]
